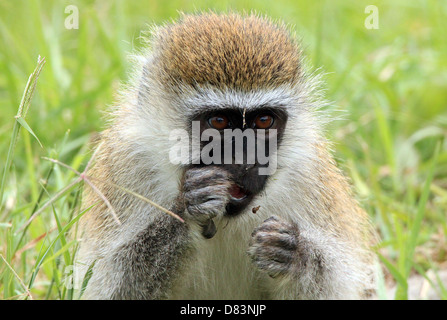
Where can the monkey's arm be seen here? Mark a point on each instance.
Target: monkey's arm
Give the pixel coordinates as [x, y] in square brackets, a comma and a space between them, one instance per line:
[146, 266]
[307, 263]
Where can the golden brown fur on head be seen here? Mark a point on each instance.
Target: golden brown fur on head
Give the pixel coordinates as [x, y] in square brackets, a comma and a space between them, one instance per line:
[227, 51]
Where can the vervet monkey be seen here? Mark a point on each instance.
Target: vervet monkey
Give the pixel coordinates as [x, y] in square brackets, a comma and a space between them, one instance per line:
[297, 233]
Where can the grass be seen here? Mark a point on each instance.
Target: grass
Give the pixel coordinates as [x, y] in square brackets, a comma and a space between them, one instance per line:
[388, 85]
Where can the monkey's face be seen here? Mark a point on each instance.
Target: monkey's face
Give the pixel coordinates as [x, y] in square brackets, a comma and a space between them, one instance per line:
[213, 74]
[242, 142]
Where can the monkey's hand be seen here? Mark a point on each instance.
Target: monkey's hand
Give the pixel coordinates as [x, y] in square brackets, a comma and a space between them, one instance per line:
[205, 193]
[275, 247]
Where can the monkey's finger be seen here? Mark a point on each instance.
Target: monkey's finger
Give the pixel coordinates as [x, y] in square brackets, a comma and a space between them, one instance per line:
[209, 230]
[207, 210]
[273, 262]
[219, 192]
[272, 254]
[204, 176]
[275, 224]
[276, 239]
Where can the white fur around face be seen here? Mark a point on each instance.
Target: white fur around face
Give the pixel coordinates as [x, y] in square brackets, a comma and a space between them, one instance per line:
[221, 268]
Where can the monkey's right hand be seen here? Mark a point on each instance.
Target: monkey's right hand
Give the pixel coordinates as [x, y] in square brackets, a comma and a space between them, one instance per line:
[205, 192]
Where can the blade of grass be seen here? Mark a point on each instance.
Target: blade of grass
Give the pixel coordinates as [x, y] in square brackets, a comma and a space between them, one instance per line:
[21, 114]
[61, 233]
[172, 214]
[87, 277]
[30, 167]
[429, 276]
[31, 244]
[5, 225]
[59, 227]
[442, 287]
[386, 138]
[87, 179]
[24, 124]
[63, 240]
[8, 286]
[15, 135]
[61, 251]
[415, 230]
[409, 247]
[381, 284]
[50, 172]
[49, 202]
[28, 293]
[400, 279]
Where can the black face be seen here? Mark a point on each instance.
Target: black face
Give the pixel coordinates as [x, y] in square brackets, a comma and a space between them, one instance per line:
[243, 168]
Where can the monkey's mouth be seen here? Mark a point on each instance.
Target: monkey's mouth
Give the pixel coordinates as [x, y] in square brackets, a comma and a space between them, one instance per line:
[239, 199]
[237, 193]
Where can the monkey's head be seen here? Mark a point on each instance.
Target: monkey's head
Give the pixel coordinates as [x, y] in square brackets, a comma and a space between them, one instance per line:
[211, 74]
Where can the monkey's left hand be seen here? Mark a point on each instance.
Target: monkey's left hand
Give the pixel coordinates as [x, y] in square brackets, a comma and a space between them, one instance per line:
[275, 246]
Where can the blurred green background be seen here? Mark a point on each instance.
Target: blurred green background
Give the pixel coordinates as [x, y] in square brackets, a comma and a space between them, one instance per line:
[388, 88]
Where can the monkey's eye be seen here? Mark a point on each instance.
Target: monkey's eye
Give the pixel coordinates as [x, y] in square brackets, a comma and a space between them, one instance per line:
[219, 122]
[263, 121]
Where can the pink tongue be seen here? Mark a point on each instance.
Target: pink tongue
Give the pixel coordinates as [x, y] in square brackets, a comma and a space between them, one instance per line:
[236, 192]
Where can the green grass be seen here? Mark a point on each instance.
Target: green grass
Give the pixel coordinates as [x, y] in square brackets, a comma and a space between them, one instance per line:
[388, 86]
